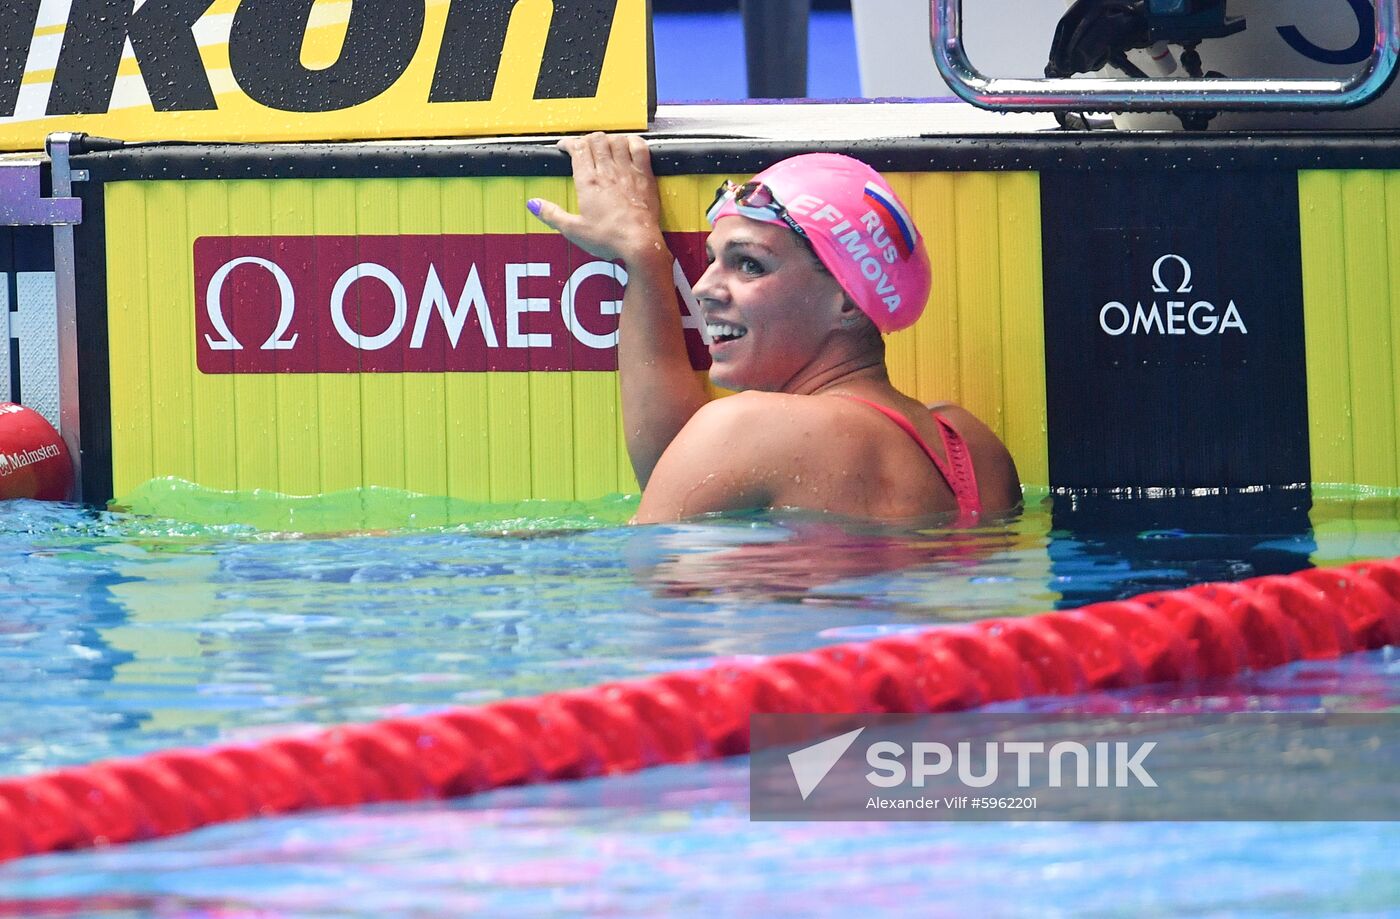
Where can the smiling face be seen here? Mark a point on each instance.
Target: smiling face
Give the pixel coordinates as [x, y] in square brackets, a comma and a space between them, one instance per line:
[771, 310]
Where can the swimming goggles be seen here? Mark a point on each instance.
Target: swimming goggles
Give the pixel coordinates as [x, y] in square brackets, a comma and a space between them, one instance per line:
[754, 200]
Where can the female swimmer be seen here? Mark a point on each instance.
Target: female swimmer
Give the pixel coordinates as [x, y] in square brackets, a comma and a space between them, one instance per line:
[809, 264]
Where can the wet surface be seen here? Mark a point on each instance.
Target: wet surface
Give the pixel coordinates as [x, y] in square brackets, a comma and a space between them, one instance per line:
[123, 635]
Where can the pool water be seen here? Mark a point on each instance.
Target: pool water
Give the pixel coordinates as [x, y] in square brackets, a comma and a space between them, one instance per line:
[124, 633]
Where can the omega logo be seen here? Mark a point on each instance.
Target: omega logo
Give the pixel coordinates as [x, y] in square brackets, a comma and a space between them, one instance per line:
[1176, 317]
[445, 303]
[212, 298]
[434, 300]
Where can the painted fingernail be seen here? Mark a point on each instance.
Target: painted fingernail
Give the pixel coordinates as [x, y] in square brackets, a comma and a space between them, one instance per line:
[534, 205]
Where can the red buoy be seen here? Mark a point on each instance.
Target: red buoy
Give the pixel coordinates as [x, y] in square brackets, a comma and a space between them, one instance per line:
[34, 461]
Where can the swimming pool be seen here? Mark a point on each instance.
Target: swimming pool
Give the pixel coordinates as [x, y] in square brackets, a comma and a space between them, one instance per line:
[125, 634]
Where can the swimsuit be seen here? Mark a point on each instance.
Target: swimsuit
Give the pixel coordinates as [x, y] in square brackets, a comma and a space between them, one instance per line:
[957, 471]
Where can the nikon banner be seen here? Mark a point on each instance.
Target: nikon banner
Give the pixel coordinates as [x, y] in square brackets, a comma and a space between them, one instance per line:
[264, 70]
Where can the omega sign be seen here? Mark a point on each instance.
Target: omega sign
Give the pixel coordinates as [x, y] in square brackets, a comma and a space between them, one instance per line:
[1184, 316]
[415, 304]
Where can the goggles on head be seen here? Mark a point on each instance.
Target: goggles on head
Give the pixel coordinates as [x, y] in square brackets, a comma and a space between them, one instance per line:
[753, 200]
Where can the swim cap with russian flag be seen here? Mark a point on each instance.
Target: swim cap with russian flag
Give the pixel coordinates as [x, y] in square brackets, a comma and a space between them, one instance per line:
[854, 222]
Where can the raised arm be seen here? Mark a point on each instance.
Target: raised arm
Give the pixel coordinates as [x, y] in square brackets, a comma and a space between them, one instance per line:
[619, 218]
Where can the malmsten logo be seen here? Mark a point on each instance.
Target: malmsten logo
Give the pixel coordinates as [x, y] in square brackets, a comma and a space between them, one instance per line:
[265, 43]
[14, 462]
[1183, 316]
[418, 304]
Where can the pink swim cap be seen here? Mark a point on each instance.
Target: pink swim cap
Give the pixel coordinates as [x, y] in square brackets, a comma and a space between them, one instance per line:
[857, 226]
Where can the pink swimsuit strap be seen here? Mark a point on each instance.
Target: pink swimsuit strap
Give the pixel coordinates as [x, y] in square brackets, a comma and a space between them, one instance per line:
[957, 471]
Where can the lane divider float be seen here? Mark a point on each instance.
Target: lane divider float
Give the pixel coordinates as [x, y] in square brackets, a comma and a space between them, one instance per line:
[1179, 636]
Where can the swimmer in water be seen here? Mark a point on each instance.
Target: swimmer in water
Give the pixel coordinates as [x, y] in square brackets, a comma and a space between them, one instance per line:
[809, 264]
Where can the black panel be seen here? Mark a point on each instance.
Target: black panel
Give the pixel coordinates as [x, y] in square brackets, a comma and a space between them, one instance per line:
[1152, 384]
[31, 248]
[94, 393]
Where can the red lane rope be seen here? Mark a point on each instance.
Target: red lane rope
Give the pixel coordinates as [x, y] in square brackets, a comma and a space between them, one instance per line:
[1212, 630]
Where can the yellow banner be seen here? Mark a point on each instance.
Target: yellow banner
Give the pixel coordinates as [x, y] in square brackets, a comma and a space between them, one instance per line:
[488, 434]
[277, 70]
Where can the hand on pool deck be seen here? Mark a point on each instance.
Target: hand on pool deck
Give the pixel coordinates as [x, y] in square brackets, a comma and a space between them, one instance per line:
[619, 217]
[619, 208]
[796, 321]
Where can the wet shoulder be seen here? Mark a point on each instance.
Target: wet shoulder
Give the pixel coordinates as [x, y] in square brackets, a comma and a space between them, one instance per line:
[793, 426]
[779, 413]
[997, 479]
